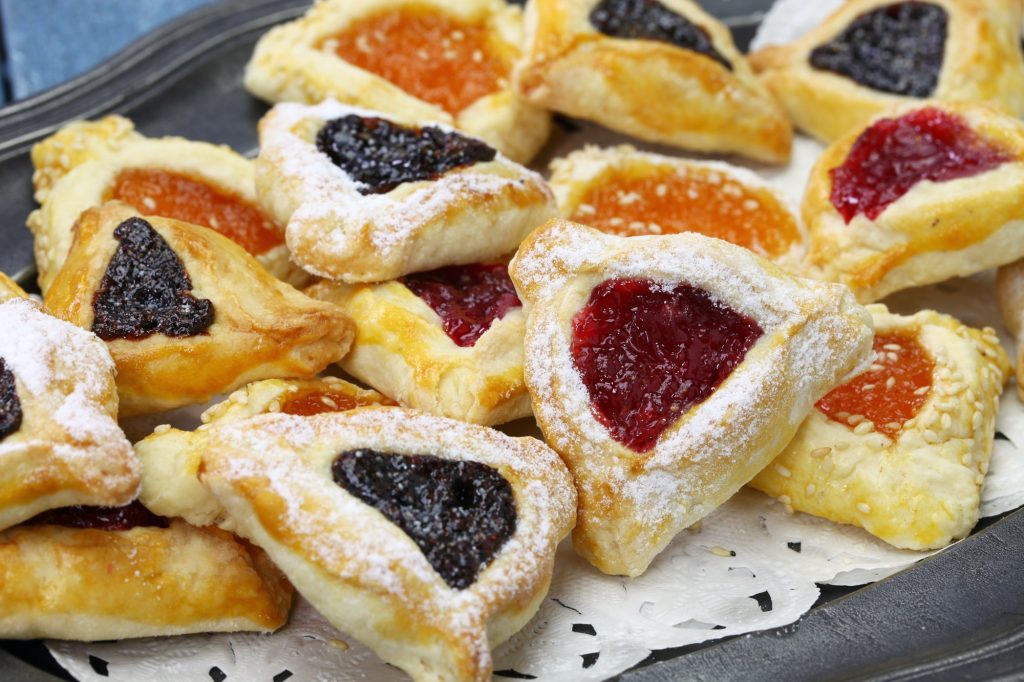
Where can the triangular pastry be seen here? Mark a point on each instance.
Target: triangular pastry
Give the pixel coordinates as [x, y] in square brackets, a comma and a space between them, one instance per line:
[427, 59]
[9, 289]
[667, 371]
[664, 71]
[171, 457]
[186, 312]
[871, 55]
[89, 162]
[447, 341]
[902, 449]
[922, 194]
[368, 196]
[89, 574]
[60, 444]
[429, 540]
[631, 193]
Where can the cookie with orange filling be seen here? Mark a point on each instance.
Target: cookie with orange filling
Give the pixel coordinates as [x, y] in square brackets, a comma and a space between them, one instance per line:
[630, 193]
[171, 457]
[664, 71]
[919, 195]
[901, 449]
[441, 61]
[89, 162]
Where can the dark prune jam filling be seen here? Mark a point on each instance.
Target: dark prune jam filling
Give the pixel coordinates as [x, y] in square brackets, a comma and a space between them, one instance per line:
[648, 352]
[467, 298]
[146, 290]
[897, 49]
[458, 513]
[10, 405]
[130, 516]
[651, 20]
[895, 154]
[381, 155]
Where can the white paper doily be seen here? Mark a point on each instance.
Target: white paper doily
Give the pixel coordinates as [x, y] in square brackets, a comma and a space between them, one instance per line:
[749, 566]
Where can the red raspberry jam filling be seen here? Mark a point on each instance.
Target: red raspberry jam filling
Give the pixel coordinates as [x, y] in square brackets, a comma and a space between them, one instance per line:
[890, 392]
[468, 298]
[894, 154]
[648, 353]
[458, 513]
[10, 405]
[130, 516]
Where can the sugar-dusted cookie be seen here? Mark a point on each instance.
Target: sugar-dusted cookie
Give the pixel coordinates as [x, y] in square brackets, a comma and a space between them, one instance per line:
[368, 196]
[902, 449]
[922, 194]
[429, 540]
[872, 55]
[447, 341]
[171, 457]
[187, 313]
[623, 191]
[60, 444]
[428, 59]
[668, 371]
[89, 162]
[665, 71]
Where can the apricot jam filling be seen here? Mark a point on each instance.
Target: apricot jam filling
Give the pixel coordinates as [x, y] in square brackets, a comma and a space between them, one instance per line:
[646, 200]
[647, 353]
[426, 53]
[895, 154]
[173, 195]
[307, 403]
[890, 393]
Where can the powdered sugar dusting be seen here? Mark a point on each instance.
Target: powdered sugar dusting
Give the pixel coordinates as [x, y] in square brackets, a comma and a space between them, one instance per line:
[65, 381]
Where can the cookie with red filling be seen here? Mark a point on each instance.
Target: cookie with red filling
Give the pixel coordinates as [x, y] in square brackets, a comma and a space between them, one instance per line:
[668, 371]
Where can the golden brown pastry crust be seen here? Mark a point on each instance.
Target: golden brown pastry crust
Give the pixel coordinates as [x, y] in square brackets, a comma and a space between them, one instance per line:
[934, 232]
[68, 449]
[9, 289]
[1010, 293]
[289, 65]
[982, 63]
[402, 350]
[77, 166]
[262, 328]
[272, 474]
[85, 584]
[653, 90]
[632, 504]
[921, 489]
[581, 171]
[473, 214]
[171, 457]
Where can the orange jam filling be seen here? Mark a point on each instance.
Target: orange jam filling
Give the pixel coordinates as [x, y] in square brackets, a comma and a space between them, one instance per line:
[889, 393]
[173, 195]
[663, 200]
[427, 54]
[312, 402]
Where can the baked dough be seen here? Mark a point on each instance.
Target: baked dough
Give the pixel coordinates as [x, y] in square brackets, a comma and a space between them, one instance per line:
[66, 448]
[78, 167]
[919, 488]
[261, 327]
[633, 503]
[651, 89]
[1010, 293]
[982, 62]
[294, 62]
[9, 289]
[474, 213]
[402, 349]
[171, 457]
[273, 474]
[936, 231]
[86, 584]
[712, 198]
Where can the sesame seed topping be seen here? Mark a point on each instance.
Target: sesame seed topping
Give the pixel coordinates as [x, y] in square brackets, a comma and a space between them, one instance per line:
[863, 428]
[820, 452]
[863, 508]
